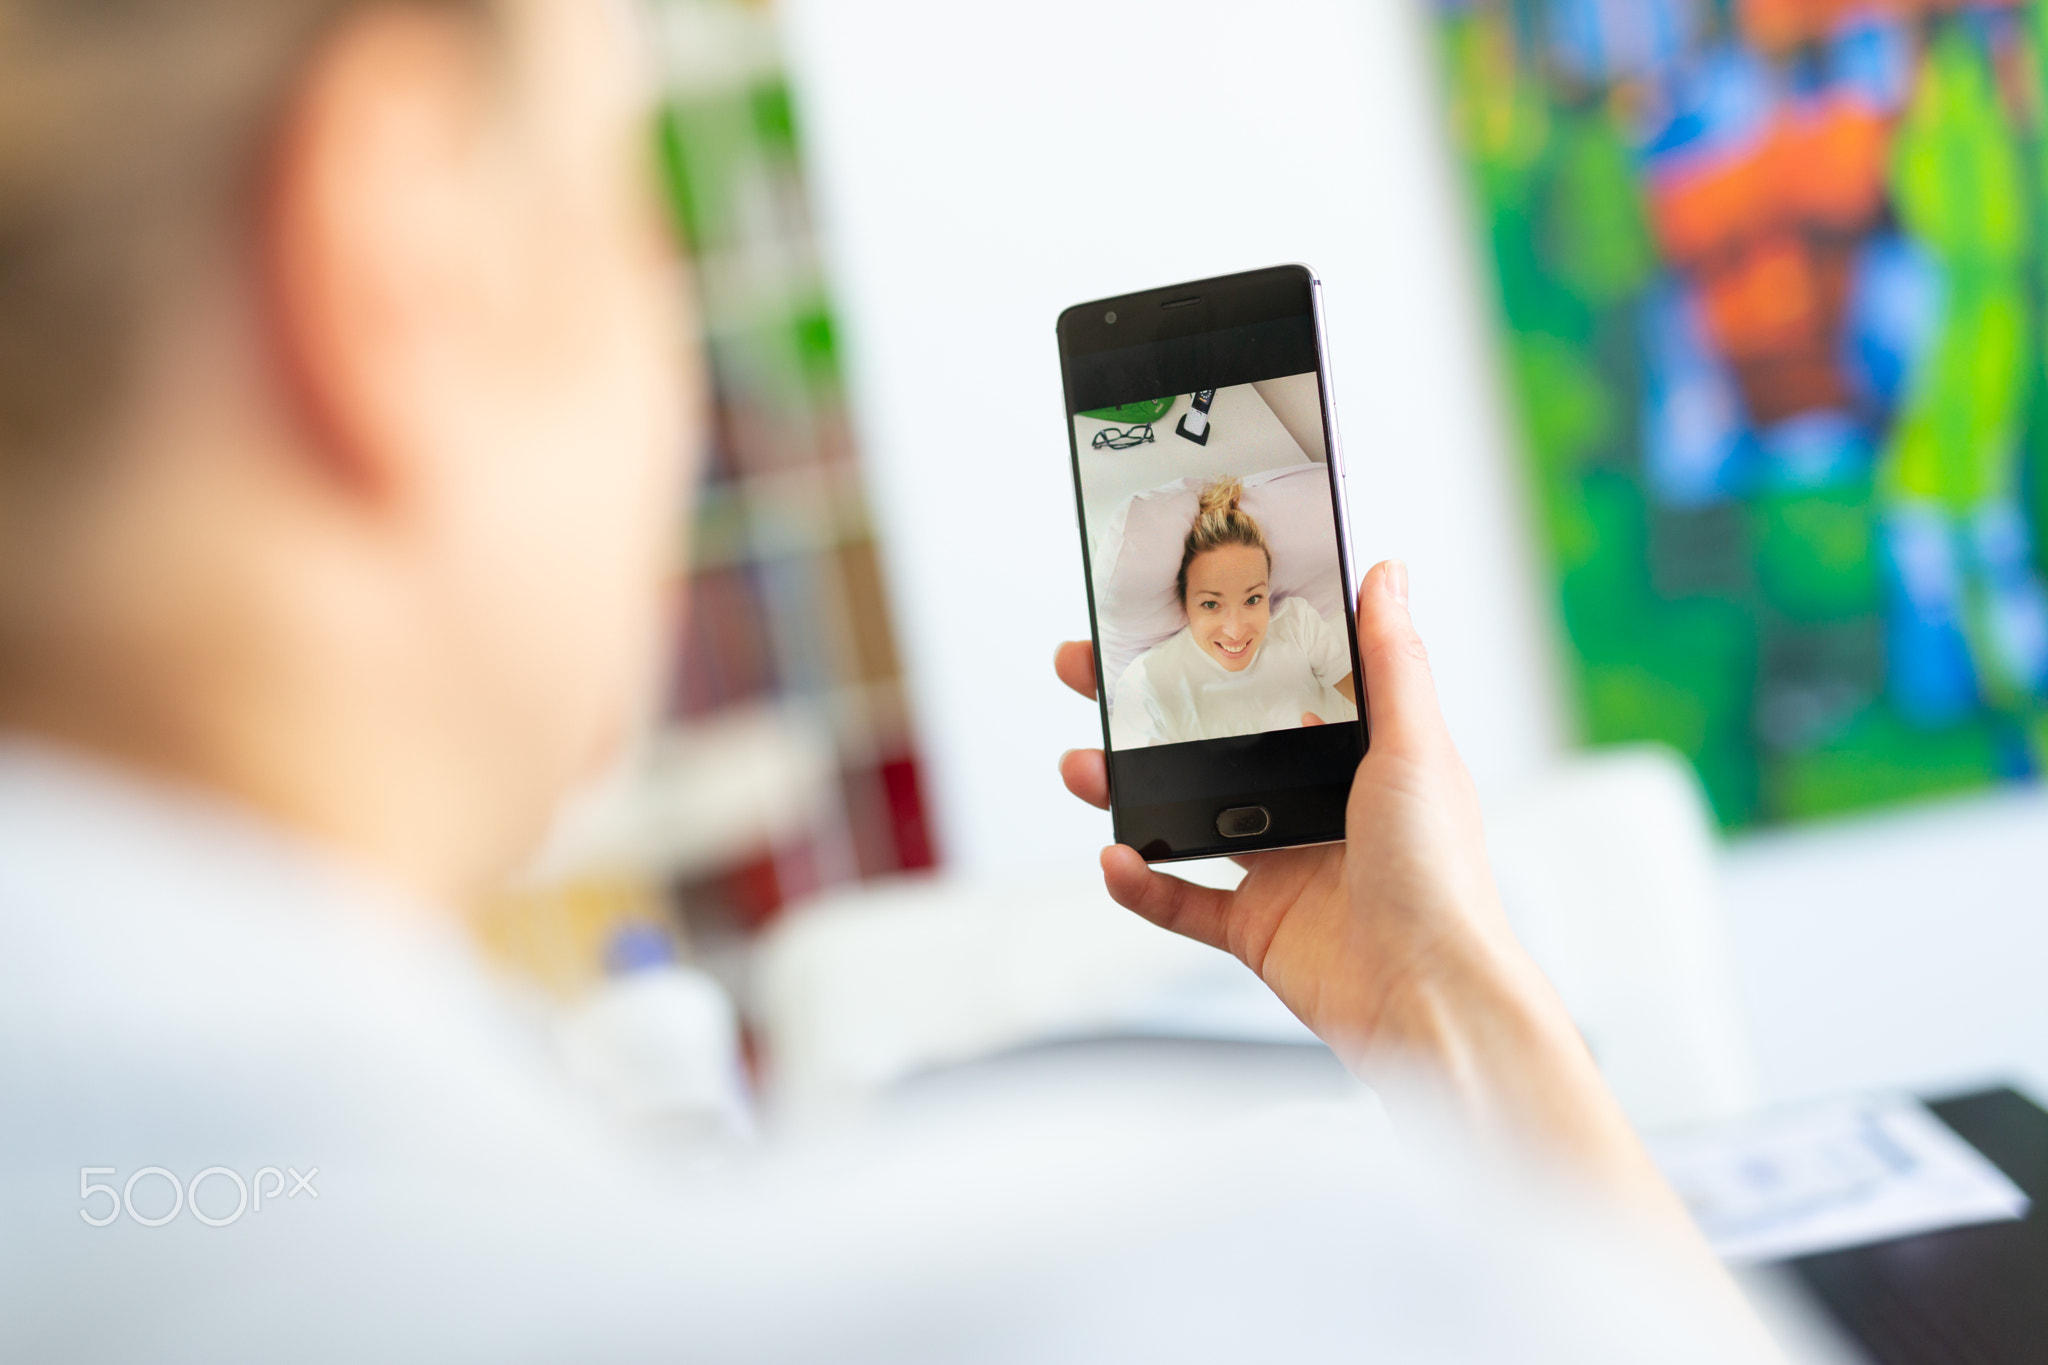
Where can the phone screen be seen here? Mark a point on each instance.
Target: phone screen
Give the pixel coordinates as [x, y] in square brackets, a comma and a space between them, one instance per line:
[1218, 574]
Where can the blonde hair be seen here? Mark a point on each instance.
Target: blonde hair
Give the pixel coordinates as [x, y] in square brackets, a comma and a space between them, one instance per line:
[1220, 521]
[133, 137]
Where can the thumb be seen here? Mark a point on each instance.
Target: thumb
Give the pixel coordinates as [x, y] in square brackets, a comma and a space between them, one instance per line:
[1400, 693]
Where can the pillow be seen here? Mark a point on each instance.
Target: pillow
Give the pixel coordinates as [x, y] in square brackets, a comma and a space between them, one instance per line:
[1135, 603]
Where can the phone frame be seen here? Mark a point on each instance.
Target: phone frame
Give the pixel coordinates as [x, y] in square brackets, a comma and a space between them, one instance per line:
[1317, 813]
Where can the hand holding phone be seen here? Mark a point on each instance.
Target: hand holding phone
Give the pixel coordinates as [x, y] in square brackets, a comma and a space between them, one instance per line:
[1392, 946]
[1350, 935]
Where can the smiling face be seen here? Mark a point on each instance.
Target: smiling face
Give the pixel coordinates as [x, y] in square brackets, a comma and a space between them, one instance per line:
[1228, 609]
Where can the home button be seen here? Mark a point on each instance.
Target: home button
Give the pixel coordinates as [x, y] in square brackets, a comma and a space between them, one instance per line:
[1243, 822]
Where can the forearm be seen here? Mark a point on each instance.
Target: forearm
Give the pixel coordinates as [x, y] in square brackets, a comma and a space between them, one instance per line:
[1493, 1036]
[1490, 1034]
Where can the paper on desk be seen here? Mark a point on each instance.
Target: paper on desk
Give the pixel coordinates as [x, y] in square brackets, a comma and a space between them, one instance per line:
[1833, 1175]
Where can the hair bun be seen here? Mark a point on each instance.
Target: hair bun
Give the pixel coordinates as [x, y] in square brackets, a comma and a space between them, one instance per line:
[1221, 497]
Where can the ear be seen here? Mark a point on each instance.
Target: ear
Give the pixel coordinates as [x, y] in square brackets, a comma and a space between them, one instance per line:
[370, 242]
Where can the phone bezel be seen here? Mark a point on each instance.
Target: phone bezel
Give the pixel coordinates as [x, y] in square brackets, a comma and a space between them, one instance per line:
[1153, 315]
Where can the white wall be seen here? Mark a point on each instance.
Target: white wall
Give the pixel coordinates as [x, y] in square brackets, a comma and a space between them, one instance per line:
[980, 167]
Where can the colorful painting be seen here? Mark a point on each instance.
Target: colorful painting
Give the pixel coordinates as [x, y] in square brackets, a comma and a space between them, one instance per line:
[1773, 276]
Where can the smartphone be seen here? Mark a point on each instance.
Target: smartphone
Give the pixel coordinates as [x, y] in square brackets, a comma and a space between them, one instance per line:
[1220, 590]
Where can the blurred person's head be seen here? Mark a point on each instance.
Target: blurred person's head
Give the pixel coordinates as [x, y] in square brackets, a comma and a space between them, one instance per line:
[342, 405]
[1224, 568]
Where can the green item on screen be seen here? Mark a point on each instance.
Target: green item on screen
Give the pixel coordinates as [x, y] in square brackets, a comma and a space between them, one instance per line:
[1135, 414]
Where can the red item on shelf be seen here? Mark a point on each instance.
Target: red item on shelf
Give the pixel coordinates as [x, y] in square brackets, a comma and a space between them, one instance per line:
[753, 892]
[914, 850]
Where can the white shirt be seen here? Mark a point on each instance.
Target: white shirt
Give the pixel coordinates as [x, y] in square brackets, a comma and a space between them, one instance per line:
[1178, 691]
[184, 988]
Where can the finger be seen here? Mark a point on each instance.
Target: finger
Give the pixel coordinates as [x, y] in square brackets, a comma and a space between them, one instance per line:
[1201, 913]
[1086, 774]
[1074, 661]
[1400, 691]
[1309, 718]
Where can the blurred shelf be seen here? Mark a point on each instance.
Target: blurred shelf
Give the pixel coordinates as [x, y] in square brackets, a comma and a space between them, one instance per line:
[783, 763]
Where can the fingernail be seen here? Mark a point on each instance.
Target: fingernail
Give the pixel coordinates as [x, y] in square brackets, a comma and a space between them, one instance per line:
[1065, 756]
[1397, 581]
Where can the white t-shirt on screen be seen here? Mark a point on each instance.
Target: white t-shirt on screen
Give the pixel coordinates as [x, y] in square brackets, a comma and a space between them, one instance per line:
[1178, 692]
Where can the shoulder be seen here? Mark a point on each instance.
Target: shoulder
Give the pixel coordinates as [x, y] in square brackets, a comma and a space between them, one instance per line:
[1150, 678]
[1134, 683]
[1163, 656]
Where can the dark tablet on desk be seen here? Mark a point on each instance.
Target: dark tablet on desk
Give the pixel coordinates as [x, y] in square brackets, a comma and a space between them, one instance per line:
[1967, 1296]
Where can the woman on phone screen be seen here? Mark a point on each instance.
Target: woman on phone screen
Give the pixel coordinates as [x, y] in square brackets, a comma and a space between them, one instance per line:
[1242, 665]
